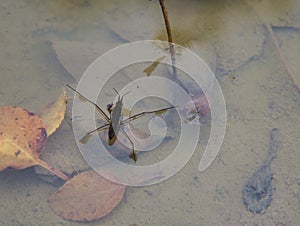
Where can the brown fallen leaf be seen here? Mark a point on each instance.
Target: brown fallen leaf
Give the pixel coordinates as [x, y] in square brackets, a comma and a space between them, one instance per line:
[53, 114]
[22, 137]
[86, 197]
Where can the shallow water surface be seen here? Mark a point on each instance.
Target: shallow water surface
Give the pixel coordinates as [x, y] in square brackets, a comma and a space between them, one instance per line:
[47, 44]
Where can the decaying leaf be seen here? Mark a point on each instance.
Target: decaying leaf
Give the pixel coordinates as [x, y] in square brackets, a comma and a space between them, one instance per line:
[76, 56]
[22, 137]
[152, 67]
[54, 113]
[87, 196]
[195, 109]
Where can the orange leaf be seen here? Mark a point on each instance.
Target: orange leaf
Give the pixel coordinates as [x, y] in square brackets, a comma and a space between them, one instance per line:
[87, 196]
[22, 137]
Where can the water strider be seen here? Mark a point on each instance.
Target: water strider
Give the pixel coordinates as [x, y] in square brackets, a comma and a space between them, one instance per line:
[114, 120]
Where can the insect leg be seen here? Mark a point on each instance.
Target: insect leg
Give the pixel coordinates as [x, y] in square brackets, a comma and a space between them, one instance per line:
[106, 118]
[133, 117]
[132, 155]
[88, 135]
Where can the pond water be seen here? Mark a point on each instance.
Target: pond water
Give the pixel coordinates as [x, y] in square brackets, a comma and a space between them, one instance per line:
[48, 44]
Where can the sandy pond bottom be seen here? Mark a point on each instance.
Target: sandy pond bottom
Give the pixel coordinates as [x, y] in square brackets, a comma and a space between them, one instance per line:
[259, 97]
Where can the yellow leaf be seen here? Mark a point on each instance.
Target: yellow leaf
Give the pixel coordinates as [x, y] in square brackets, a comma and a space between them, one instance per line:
[152, 67]
[22, 137]
[13, 156]
[54, 113]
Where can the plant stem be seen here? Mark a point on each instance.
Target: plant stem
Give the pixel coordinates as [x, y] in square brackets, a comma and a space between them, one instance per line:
[169, 33]
[52, 170]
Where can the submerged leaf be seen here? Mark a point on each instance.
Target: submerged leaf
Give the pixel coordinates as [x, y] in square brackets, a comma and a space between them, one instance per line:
[54, 113]
[152, 67]
[22, 137]
[126, 112]
[195, 109]
[86, 197]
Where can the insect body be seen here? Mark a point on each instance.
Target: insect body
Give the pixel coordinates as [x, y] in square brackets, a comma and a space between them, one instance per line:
[114, 123]
[115, 120]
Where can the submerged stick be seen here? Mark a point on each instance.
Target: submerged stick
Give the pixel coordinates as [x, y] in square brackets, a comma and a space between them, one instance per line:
[169, 33]
[282, 60]
[167, 24]
[171, 43]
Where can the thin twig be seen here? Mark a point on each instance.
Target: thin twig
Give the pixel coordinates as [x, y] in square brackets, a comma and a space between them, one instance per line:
[289, 73]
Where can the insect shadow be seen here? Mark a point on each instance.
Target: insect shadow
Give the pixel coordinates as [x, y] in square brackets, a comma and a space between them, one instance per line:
[114, 120]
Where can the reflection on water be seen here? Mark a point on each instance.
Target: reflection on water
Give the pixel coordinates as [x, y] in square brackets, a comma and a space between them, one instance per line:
[45, 45]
